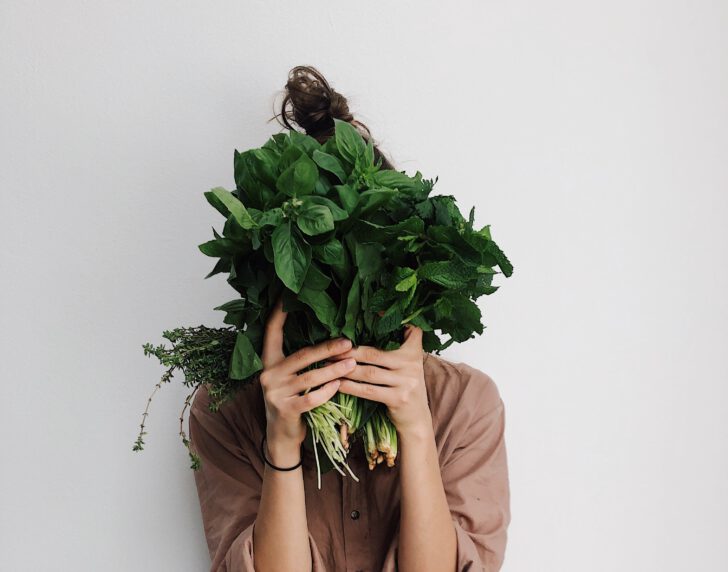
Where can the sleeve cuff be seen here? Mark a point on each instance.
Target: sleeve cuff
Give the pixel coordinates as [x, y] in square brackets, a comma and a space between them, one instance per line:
[468, 557]
[240, 555]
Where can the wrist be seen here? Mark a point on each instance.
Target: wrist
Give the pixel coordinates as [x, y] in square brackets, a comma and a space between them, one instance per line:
[417, 433]
[282, 451]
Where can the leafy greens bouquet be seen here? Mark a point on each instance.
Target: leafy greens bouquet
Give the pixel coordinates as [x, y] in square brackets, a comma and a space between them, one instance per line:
[355, 251]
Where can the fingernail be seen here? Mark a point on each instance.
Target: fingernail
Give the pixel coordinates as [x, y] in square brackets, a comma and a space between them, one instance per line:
[343, 342]
[347, 363]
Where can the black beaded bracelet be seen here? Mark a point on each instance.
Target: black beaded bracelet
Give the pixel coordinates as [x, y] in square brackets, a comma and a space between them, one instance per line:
[267, 462]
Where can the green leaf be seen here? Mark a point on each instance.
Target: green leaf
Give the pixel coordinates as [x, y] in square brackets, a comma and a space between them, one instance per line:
[236, 312]
[394, 180]
[218, 247]
[322, 305]
[503, 263]
[254, 176]
[315, 219]
[431, 341]
[348, 196]
[222, 265]
[390, 321]
[235, 232]
[406, 283]
[336, 211]
[353, 301]
[299, 178]
[450, 274]
[227, 204]
[349, 141]
[417, 319]
[292, 256]
[371, 200]
[446, 211]
[315, 279]
[368, 258]
[331, 252]
[244, 361]
[273, 217]
[304, 141]
[236, 305]
[329, 163]
[369, 153]
[465, 318]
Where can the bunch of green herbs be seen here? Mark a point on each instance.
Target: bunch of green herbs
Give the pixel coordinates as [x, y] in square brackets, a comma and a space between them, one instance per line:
[354, 250]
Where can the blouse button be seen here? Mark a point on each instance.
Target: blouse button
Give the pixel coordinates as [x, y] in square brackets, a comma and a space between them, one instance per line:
[354, 514]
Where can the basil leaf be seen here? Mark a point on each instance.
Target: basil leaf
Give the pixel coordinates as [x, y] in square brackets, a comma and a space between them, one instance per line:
[227, 204]
[349, 141]
[315, 278]
[322, 305]
[368, 258]
[315, 219]
[292, 256]
[244, 361]
[329, 163]
[299, 178]
[353, 301]
[336, 211]
[331, 252]
[348, 197]
[218, 247]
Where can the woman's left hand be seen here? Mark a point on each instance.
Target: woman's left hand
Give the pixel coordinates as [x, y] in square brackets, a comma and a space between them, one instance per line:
[395, 378]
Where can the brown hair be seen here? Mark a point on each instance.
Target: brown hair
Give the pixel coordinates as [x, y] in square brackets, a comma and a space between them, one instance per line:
[311, 103]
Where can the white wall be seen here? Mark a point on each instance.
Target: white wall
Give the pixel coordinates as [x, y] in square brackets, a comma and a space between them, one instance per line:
[591, 135]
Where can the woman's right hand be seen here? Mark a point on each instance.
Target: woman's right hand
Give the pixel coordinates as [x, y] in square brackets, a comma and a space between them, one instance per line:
[282, 386]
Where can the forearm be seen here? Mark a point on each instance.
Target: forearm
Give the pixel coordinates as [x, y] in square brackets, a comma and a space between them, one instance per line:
[280, 534]
[427, 538]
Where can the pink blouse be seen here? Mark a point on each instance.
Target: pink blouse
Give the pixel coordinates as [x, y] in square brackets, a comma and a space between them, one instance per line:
[352, 526]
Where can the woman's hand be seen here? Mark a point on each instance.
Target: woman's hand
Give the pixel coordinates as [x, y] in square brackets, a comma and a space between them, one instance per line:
[395, 378]
[282, 386]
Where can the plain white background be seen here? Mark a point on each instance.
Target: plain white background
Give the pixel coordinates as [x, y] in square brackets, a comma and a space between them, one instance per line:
[591, 135]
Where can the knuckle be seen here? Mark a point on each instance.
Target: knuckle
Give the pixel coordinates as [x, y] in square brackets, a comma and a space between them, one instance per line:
[343, 365]
[373, 373]
[407, 393]
[265, 378]
[309, 400]
[369, 353]
[303, 379]
[305, 354]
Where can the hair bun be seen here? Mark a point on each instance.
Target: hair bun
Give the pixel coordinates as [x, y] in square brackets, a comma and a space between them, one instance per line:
[312, 103]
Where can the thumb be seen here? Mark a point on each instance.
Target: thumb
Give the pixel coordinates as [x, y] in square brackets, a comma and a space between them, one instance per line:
[412, 335]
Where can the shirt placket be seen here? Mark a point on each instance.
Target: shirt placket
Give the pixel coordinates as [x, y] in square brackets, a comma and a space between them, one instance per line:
[355, 516]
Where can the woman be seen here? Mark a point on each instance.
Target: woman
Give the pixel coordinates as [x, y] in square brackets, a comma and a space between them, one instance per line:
[444, 506]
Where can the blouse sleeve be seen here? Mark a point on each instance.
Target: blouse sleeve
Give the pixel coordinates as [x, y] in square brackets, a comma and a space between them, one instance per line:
[229, 483]
[475, 479]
